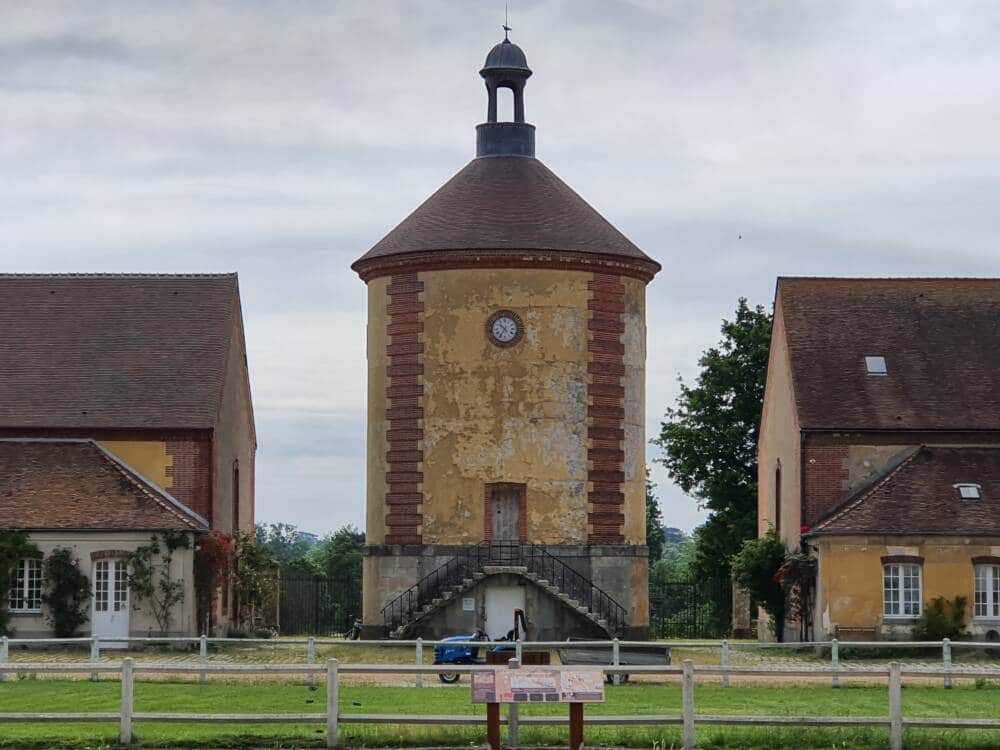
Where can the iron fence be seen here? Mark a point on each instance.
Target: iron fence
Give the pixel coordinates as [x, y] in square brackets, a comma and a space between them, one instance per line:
[690, 609]
[315, 605]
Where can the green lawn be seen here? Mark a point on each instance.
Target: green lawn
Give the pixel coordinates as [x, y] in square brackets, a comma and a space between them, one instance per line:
[245, 697]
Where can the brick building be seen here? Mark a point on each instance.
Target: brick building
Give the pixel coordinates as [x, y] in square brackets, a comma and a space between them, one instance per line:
[124, 409]
[879, 448]
[506, 379]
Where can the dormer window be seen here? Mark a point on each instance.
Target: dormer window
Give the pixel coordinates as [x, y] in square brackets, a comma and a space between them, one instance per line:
[969, 491]
[876, 365]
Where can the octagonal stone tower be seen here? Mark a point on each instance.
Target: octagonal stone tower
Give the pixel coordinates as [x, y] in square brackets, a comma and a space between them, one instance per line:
[506, 379]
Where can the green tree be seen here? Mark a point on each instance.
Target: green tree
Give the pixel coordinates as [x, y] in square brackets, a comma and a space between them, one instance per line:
[287, 545]
[255, 578]
[755, 568]
[339, 555]
[655, 538]
[710, 438]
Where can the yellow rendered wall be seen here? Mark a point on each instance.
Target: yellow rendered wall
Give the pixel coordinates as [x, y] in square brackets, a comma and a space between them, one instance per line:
[377, 404]
[148, 457]
[850, 574]
[513, 414]
[635, 413]
[779, 440]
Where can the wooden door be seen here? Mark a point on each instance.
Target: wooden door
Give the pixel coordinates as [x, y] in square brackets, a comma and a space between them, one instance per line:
[506, 509]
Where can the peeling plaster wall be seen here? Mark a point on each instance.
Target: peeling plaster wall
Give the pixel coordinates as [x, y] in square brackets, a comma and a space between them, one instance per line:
[514, 414]
[377, 403]
[635, 411]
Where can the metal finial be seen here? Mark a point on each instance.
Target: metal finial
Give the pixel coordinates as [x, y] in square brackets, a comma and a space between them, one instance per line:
[506, 20]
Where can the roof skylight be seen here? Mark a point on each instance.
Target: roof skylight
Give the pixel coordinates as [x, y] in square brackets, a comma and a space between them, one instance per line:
[876, 365]
[969, 491]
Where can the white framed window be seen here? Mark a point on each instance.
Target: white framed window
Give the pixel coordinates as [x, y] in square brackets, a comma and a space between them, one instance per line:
[987, 594]
[901, 590]
[26, 587]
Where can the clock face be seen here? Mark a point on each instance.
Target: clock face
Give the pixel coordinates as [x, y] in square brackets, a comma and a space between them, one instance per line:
[504, 328]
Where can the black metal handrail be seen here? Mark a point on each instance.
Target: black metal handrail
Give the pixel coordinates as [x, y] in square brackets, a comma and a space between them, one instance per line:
[535, 557]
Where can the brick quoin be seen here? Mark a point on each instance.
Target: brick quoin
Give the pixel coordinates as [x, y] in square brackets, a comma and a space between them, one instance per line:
[404, 392]
[825, 473]
[192, 474]
[606, 410]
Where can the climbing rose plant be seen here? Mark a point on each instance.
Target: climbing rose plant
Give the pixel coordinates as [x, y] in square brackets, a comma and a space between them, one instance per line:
[149, 576]
[14, 547]
[67, 593]
[213, 559]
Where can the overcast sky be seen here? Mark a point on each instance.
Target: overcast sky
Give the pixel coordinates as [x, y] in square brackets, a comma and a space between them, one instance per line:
[281, 140]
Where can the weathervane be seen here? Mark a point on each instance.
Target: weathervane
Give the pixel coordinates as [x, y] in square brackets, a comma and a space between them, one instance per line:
[506, 29]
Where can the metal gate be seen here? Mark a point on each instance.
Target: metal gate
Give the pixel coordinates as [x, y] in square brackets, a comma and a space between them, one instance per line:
[690, 609]
[314, 605]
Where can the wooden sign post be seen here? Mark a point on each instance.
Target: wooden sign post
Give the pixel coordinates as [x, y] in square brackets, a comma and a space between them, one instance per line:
[573, 685]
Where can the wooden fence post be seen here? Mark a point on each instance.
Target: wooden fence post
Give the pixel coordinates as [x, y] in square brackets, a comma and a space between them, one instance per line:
[688, 698]
[332, 702]
[203, 654]
[835, 662]
[418, 681]
[725, 664]
[513, 714]
[946, 659]
[311, 658]
[4, 651]
[95, 655]
[616, 660]
[128, 696]
[895, 707]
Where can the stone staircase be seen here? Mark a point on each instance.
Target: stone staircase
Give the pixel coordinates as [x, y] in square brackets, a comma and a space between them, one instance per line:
[533, 562]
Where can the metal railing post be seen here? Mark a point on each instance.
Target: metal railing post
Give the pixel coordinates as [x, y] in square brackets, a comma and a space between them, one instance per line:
[616, 679]
[203, 655]
[518, 651]
[418, 681]
[95, 656]
[332, 702]
[725, 664]
[946, 660]
[835, 662]
[895, 707]
[128, 694]
[4, 652]
[513, 714]
[311, 658]
[688, 703]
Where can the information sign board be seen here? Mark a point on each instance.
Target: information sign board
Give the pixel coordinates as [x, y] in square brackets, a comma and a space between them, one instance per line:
[538, 685]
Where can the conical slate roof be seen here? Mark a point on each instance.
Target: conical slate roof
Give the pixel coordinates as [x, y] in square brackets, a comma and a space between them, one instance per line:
[503, 204]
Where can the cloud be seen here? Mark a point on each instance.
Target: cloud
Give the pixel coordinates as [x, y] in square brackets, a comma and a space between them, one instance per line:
[282, 140]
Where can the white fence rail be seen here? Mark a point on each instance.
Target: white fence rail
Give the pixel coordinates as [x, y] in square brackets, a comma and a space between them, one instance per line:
[726, 648]
[688, 719]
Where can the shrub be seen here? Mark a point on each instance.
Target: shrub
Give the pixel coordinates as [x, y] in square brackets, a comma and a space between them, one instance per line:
[67, 593]
[941, 619]
[755, 568]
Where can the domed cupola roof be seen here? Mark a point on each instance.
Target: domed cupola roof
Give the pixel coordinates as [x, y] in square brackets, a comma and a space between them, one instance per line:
[506, 56]
[505, 208]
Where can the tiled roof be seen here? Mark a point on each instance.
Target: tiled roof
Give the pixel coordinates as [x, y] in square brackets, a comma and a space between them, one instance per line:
[114, 350]
[76, 484]
[940, 339]
[919, 496]
[505, 203]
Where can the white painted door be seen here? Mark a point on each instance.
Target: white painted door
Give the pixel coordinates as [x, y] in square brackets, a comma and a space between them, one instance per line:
[109, 618]
[501, 601]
